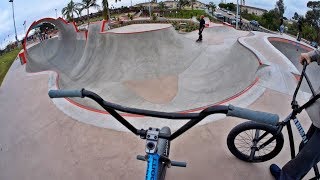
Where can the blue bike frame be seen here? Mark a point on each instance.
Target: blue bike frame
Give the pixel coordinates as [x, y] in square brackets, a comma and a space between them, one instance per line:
[153, 166]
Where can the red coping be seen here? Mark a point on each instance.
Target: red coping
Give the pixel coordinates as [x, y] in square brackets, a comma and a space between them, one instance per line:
[40, 21]
[278, 39]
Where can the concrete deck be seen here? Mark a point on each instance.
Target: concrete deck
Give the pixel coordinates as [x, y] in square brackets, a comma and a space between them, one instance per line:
[38, 141]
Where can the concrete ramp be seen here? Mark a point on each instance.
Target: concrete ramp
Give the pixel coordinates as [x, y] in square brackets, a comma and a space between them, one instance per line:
[292, 51]
[60, 53]
[152, 67]
[218, 34]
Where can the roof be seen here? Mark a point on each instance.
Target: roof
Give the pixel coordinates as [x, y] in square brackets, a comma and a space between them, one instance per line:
[251, 7]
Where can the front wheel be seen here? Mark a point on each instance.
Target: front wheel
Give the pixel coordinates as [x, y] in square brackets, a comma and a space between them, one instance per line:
[254, 142]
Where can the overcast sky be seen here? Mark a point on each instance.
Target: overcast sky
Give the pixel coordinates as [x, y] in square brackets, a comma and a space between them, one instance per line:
[33, 10]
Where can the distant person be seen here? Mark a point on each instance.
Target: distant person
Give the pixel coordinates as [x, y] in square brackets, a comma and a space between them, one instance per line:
[39, 36]
[201, 27]
[299, 29]
[281, 26]
[309, 155]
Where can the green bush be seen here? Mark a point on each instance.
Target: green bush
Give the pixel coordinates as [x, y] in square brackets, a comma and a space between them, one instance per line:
[184, 14]
[154, 17]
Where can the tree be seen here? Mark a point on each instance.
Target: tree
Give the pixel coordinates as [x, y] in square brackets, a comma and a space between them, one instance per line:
[313, 16]
[86, 4]
[192, 2]
[162, 6]
[212, 6]
[79, 11]
[182, 3]
[309, 33]
[271, 19]
[46, 26]
[228, 6]
[68, 11]
[295, 16]
[105, 9]
[280, 7]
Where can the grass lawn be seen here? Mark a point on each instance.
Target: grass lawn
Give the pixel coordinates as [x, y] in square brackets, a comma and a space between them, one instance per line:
[5, 62]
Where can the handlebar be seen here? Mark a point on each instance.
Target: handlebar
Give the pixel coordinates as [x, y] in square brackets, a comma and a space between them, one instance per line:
[257, 116]
[260, 117]
[65, 93]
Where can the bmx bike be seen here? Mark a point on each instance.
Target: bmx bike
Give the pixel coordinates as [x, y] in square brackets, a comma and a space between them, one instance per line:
[256, 142]
[158, 140]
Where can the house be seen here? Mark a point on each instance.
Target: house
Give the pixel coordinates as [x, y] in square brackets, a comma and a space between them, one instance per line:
[253, 10]
[173, 5]
[146, 5]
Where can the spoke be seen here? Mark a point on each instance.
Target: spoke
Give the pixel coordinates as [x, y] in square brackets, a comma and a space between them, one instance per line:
[248, 135]
[244, 141]
[241, 146]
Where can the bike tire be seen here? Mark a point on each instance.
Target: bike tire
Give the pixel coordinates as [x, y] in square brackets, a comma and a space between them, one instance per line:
[164, 150]
[250, 126]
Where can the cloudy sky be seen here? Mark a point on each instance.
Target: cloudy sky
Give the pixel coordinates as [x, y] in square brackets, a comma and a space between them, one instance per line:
[32, 10]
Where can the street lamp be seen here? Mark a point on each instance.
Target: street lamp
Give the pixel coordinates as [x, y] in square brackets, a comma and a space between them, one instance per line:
[56, 13]
[150, 8]
[237, 20]
[14, 22]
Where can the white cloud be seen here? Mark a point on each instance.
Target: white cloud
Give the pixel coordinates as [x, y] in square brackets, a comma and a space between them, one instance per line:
[5, 20]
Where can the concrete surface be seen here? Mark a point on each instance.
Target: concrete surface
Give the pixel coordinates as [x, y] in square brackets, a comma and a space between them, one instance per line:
[46, 144]
[39, 141]
[292, 51]
[112, 64]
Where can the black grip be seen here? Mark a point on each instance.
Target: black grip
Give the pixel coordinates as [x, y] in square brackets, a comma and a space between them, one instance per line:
[178, 164]
[257, 116]
[65, 93]
[140, 157]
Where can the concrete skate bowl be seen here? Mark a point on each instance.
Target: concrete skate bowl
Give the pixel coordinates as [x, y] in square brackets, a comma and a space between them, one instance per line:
[218, 34]
[156, 68]
[292, 51]
[66, 47]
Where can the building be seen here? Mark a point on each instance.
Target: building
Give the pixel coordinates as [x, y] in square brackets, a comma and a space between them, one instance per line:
[199, 5]
[146, 5]
[253, 10]
[173, 5]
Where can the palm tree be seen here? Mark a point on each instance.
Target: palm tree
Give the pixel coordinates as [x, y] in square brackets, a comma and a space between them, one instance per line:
[105, 7]
[79, 11]
[86, 4]
[192, 1]
[69, 10]
[212, 6]
[162, 6]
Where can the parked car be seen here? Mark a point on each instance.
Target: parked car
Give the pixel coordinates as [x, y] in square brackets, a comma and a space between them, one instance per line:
[228, 12]
[255, 23]
[234, 22]
[219, 15]
[314, 44]
[224, 10]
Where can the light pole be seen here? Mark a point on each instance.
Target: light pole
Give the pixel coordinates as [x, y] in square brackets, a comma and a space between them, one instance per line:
[150, 8]
[56, 13]
[237, 20]
[14, 22]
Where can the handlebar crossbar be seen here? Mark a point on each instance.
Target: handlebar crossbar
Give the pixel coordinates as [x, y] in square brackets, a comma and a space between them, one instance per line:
[260, 117]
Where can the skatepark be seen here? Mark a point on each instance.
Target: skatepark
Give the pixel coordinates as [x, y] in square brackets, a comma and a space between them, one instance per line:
[148, 66]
